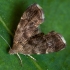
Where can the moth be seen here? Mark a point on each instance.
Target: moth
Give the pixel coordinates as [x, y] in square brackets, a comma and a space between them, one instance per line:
[27, 27]
[29, 40]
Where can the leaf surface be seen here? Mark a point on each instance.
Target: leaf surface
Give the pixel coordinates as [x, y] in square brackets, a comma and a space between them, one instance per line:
[57, 18]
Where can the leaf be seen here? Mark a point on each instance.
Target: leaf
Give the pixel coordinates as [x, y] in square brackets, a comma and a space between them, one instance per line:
[57, 17]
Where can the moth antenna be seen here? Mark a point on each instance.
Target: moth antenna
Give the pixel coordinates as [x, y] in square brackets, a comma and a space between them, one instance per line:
[5, 40]
[10, 47]
[19, 58]
[31, 57]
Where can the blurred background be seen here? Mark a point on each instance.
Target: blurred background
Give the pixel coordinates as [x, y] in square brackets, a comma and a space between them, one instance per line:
[57, 18]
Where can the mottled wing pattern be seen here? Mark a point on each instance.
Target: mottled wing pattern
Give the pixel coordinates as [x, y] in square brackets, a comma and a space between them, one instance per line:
[27, 27]
[41, 43]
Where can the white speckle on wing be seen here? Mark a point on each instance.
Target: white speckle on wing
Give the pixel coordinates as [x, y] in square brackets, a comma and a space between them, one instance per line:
[38, 53]
[63, 39]
[39, 6]
[46, 51]
[43, 16]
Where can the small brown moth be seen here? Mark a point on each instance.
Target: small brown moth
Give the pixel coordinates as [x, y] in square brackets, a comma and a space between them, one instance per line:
[29, 40]
[27, 27]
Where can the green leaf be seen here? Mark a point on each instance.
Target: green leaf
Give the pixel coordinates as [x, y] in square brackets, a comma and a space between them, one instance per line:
[57, 18]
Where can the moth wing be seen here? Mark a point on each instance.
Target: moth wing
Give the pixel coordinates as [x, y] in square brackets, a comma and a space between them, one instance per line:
[27, 27]
[41, 43]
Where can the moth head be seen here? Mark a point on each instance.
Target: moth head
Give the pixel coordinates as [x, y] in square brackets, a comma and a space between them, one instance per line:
[16, 48]
[55, 42]
[11, 51]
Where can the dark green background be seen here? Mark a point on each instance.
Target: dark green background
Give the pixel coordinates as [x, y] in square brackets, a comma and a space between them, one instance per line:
[57, 17]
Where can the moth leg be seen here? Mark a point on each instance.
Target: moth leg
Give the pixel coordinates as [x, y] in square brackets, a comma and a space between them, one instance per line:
[19, 58]
[31, 57]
